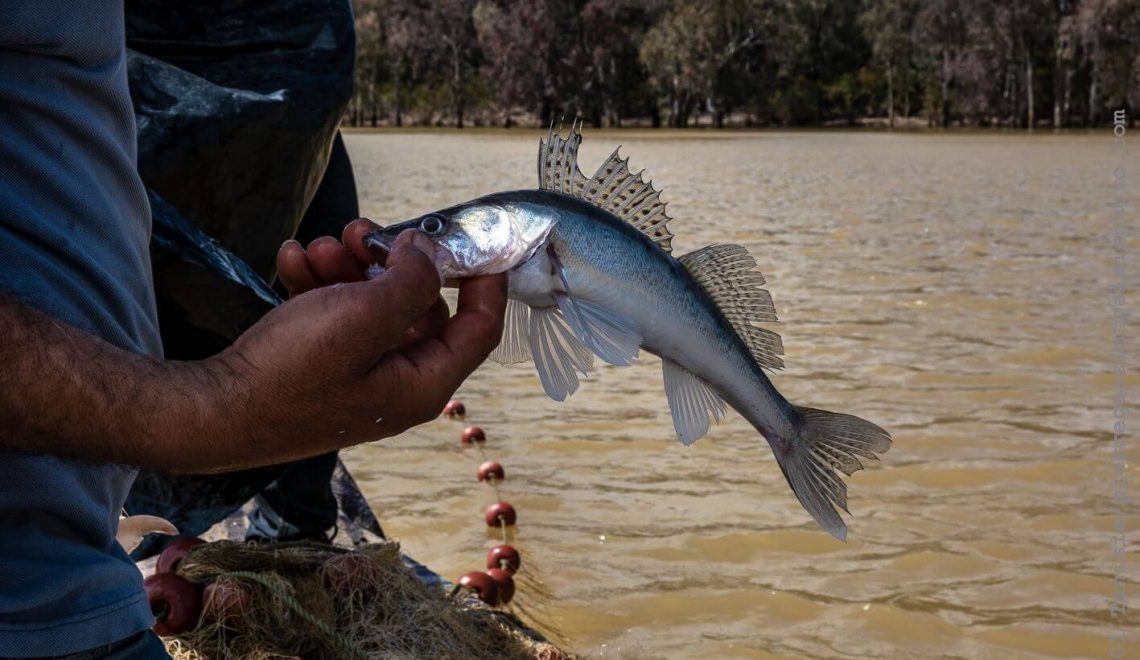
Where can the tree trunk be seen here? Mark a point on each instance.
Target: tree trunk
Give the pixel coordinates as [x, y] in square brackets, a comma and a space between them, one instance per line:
[1059, 82]
[1067, 117]
[1029, 118]
[547, 111]
[399, 100]
[891, 95]
[1092, 88]
[716, 109]
[944, 118]
[906, 85]
[1017, 99]
[457, 85]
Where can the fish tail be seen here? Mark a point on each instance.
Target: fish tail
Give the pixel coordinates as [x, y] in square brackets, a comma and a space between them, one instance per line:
[823, 443]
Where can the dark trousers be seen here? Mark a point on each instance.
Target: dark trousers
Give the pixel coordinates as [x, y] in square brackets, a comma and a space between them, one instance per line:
[141, 646]
[301, 503]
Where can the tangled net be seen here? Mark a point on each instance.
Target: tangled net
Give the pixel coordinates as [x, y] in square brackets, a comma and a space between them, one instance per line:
[308, 600]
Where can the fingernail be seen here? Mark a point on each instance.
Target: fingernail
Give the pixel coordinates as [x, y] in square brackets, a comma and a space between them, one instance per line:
[286, 244]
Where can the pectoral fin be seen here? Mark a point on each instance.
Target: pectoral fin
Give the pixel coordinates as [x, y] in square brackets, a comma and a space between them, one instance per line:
[558, 355]
[612, 337]
[514, 347]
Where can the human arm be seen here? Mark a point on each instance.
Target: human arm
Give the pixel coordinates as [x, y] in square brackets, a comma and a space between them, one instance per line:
[323, 371]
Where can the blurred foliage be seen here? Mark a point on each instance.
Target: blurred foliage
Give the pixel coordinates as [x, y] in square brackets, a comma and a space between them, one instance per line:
[679, 63]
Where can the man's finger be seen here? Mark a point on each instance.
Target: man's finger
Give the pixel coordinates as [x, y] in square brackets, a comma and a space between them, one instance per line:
[332, 261]
[381, 310]
[294, 270]
[426, 326]
[353, 239]
[438, 366]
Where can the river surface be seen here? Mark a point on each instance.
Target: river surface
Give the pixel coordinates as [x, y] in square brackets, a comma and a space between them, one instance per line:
[957, 289]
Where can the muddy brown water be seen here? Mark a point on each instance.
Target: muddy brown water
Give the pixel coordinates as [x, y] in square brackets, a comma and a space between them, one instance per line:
[957, 289]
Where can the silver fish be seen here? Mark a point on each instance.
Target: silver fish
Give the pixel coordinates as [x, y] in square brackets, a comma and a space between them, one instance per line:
[591, 273]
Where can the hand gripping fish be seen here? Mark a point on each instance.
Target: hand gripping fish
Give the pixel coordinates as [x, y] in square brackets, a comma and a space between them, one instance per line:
[591, 273]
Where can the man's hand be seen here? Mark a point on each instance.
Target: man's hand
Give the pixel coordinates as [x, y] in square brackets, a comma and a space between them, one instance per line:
[344, 361]
[327, 261]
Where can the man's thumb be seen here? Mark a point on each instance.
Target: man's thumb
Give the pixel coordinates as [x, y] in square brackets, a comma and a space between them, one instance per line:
[409, 286]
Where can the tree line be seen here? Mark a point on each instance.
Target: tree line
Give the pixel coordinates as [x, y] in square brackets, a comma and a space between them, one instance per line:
[679, 63]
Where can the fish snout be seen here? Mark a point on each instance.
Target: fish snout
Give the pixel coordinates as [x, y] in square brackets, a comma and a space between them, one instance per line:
[380, 242]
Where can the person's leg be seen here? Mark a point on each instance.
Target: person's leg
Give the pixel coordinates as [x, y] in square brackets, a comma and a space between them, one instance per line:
[143, 645]
[299, 505]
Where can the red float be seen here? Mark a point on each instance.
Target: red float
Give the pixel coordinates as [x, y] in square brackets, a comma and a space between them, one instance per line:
[504, 557]
[175, 602]
[226, 602]
[499, 514]
[506, 584]
[173, 554]
[454, 408]
[491, 470]
[472, 434]
[351, 573]
[483, 585]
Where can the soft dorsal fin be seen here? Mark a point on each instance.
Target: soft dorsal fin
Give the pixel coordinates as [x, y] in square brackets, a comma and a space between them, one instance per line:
[613, 187]
[727, 273]
[558, 162]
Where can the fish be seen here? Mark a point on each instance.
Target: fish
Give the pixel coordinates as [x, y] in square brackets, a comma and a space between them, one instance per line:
[592, 274]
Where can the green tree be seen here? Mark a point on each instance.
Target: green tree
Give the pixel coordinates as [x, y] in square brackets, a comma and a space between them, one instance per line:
[889, 28]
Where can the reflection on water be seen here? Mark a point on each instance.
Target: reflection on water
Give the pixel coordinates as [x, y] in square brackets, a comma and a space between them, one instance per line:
[952, 288]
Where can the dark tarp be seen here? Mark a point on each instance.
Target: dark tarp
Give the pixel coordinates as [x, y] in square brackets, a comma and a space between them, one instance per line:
[237, 105]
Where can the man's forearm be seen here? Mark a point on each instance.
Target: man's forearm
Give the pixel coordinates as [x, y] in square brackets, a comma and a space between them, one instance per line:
[323, 371]
[68, 393]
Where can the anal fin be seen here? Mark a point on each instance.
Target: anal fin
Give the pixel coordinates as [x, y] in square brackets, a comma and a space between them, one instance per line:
[692, 402]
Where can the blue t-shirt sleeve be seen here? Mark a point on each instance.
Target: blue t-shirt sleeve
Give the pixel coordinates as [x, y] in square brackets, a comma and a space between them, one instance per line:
[74, 218]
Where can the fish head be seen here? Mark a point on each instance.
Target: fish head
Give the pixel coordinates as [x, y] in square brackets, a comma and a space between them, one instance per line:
[481, 237]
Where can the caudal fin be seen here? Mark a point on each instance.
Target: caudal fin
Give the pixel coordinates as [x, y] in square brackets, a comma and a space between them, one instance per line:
[828, 442]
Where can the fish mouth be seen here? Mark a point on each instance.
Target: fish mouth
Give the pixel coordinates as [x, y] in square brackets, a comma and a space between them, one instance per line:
[380, 242]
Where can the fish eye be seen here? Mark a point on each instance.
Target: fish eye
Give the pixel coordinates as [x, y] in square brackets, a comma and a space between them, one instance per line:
[432, 224]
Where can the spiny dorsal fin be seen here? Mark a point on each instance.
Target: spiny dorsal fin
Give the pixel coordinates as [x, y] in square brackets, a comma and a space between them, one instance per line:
[558, 162]
[613, 187]
[727, 273]
[627, 195]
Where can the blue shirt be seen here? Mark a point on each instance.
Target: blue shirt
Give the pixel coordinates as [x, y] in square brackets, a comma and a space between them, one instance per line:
[74, 231]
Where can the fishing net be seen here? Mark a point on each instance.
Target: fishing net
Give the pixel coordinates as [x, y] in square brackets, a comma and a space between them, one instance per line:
[307, 600]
